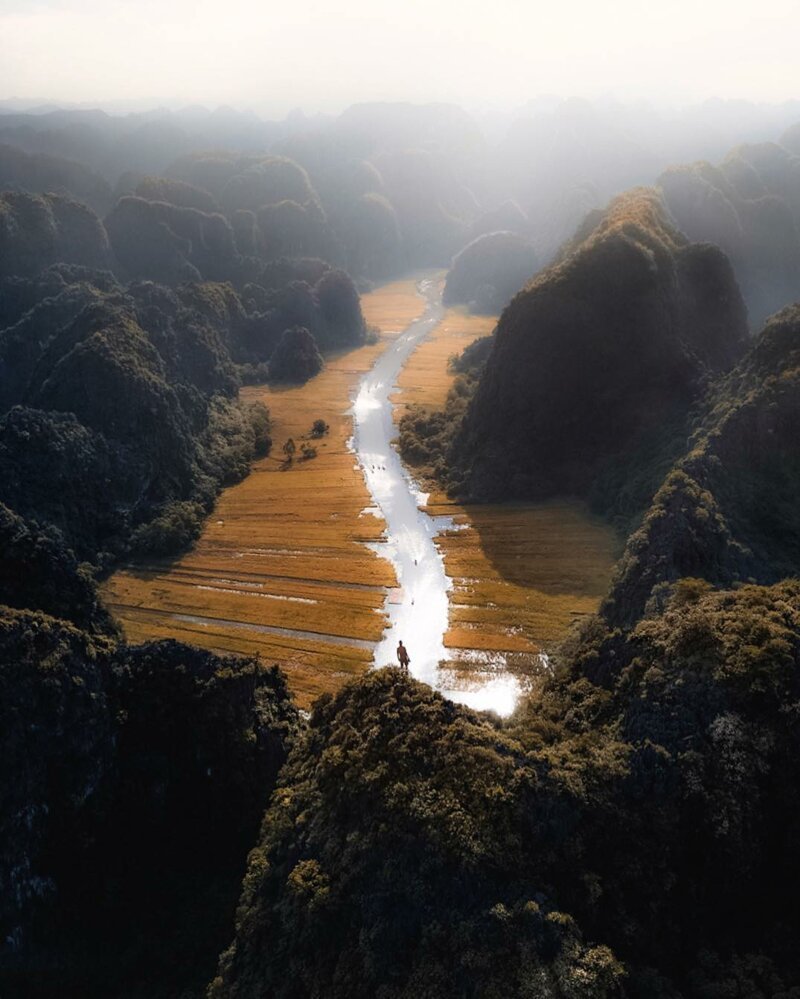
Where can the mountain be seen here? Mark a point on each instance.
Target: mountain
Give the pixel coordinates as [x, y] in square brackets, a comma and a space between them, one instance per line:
[133, 779]
[727, 512]
[749, 206]
[633, 832]
[597, 355]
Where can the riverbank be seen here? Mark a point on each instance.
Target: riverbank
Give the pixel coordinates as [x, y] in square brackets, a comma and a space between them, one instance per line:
[282, 568]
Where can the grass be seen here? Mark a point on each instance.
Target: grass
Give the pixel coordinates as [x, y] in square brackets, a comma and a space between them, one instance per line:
[284, 548]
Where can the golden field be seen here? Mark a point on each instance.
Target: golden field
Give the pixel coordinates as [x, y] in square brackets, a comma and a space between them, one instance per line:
[282, 570]
[425, 380]
[284, 548]
[522, 573]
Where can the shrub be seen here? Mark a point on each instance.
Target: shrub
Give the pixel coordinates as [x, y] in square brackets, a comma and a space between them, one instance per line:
[174, 530]
[296, 358]
[258, 415]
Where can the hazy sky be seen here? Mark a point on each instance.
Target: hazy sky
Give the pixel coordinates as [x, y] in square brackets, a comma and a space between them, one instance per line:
[325, 54]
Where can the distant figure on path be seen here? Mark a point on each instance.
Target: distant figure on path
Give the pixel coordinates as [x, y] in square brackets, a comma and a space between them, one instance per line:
[402, 656]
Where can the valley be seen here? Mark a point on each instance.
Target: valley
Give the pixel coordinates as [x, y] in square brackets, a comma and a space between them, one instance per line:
[288, 567]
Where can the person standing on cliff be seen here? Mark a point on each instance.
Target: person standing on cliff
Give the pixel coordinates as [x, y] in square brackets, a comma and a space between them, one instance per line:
[402, 656]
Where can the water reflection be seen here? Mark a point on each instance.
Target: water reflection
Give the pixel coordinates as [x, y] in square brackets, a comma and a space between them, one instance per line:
[418, 613]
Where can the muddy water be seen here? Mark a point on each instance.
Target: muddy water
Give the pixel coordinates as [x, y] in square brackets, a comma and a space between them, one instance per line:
[418, 612]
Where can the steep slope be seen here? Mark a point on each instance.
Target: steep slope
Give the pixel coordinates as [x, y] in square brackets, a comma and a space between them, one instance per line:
[391, 864]
[133, 780]
[489, 271]
[749, 206]
[39, 230]
[416, 848]
[119, 404]
[601, 352]
[728, 511]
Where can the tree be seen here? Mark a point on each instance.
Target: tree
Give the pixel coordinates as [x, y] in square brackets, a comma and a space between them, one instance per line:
[340, 309]
[289, 449]
[296, 357]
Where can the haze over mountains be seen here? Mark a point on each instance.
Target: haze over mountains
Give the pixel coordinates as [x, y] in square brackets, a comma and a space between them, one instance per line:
[634, 828]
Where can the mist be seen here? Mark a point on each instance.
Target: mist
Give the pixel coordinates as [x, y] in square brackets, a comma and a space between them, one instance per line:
[323, 324]
[323, 56]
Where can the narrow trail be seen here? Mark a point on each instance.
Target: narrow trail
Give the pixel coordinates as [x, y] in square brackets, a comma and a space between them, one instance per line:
[418, 613]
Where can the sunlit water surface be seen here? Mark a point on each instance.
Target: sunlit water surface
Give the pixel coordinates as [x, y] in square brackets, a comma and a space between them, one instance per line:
[418, 611]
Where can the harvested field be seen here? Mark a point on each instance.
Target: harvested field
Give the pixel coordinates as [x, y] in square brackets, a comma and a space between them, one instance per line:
[425, 380]
[280, 568]
[522, 573]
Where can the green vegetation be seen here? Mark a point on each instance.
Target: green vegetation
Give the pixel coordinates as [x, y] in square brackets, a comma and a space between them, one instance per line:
[296, 357]
[121, 406]
[133, 782]
[120, 418]
[634, 829]
[587, 385]
[391, 863]
[654, 771]
[597, 354]
[728, 511]
[38, 570]
[174, 530]
[37, 231]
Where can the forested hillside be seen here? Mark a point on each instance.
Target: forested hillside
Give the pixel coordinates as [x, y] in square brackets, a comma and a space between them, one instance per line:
[589, 380]
[134, 778]
[633, 829]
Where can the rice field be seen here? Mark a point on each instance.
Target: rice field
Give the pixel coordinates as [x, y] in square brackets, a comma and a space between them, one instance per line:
[281, 568]
[425, 380]
[522, 573]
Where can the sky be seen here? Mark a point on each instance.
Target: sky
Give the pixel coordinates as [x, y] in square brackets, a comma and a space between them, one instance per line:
[322, 55]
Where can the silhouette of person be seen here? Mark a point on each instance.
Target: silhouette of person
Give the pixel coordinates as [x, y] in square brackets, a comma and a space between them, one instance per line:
[402, 656]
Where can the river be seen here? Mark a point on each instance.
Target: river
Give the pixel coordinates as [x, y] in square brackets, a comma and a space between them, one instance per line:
[418, 611]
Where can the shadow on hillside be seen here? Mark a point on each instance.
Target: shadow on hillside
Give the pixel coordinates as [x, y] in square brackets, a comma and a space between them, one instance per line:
[556, 547]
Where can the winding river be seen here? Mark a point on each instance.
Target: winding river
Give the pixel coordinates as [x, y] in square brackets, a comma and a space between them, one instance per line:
[418, 612]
